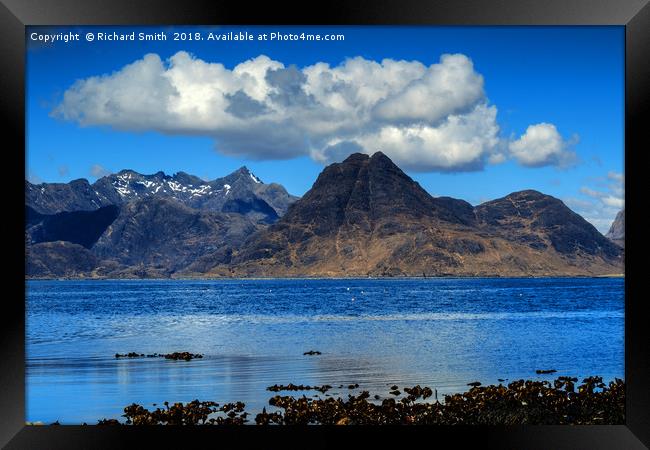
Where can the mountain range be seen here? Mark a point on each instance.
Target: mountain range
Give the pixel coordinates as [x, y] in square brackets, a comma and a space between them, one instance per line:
[133, 225]
[241, 191]
[362, 217]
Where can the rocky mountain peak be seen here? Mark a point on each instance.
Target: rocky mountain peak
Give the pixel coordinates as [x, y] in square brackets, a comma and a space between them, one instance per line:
[79, 182]
[355, 157]
[244, 174]
[363, 190]
[380, 158]
[240, 191]
[528, 215]
[617, 231]
[527, 195]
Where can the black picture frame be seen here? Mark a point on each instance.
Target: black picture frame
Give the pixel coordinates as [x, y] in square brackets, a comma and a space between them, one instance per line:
[16, 14]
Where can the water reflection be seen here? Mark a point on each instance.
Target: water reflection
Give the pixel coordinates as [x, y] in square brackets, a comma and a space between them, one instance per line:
[439, 333]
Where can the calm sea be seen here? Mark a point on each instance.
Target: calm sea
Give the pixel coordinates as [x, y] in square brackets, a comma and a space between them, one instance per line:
[442, 333]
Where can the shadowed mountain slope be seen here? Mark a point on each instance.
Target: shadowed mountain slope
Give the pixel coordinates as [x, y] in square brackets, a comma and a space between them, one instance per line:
[241, 191]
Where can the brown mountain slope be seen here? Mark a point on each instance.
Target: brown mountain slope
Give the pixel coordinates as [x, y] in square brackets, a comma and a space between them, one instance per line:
[365, 217]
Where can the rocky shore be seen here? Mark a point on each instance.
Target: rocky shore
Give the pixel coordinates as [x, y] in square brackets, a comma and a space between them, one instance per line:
[521, 402]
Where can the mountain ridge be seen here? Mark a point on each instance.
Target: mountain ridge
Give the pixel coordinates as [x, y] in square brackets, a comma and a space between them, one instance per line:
[127, 185]
[366, 217]
[362, 217]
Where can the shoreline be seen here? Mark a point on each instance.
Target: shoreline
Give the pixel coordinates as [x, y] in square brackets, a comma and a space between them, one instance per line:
[405, 278]
[561, 401]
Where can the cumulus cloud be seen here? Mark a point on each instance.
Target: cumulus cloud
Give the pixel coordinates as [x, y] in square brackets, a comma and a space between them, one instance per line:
[426, 118]
[542, 145]
[450, 87]
[459, 143]
[98, 171]
[497, 158]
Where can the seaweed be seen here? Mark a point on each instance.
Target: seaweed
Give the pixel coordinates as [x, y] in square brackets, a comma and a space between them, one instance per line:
[186, 356]
[522, 402]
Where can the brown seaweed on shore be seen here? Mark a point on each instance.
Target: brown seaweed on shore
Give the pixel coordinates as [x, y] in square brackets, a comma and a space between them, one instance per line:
[192, 413]
[129, 355]
[312, 352]
[519, 403]
[108, 422]
[175, 356]
[298, 387]
[541, 372]
[418, 391]
[182, 355]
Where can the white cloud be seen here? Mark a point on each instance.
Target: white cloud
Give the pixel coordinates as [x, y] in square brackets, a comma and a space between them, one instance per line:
[615, 176]
[458, 143]
[33, 178]
[595, 212]
[600, 207]
[617, 185]
[443, 89]
[497, 158]
[136, 97]
[614, 202]
[590, 192]
[576, 203]
[542, 145]
[426, 118]
[98, 171]
[607, 198]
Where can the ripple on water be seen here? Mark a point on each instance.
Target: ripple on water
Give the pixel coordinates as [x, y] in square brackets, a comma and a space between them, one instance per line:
[253, 333]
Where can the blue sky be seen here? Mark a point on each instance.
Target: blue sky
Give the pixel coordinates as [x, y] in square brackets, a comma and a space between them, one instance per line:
[468, 112]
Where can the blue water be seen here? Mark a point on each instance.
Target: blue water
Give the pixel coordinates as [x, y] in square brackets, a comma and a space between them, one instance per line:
[442, 333]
